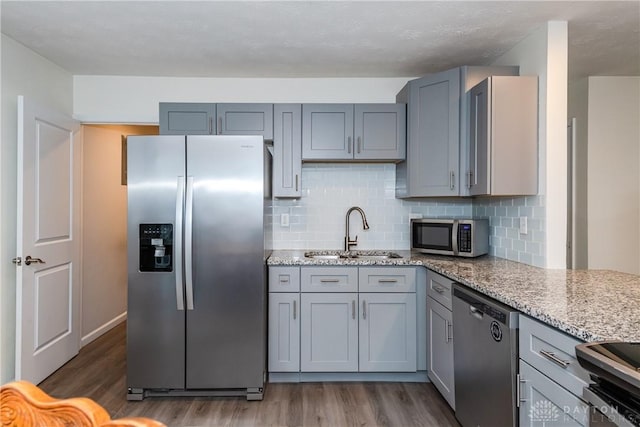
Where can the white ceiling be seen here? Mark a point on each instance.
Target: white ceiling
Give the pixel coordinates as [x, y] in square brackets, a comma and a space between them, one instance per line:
[313, 38]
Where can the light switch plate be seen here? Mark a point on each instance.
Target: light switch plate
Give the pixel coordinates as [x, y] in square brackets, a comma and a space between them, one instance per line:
[523, 225]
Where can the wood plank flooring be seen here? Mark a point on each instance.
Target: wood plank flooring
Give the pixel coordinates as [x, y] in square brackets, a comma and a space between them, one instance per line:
[99, 372]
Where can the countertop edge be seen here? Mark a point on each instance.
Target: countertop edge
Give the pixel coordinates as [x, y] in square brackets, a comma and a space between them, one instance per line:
[538, 313]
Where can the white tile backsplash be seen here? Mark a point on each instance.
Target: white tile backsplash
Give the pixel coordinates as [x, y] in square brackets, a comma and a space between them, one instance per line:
[505, 240]
[317, 219]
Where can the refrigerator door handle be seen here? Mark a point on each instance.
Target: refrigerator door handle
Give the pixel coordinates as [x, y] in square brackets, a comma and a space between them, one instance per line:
[178, 244]
[188, 242]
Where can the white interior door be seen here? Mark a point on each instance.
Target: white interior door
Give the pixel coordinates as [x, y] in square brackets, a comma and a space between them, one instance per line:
[48, 247]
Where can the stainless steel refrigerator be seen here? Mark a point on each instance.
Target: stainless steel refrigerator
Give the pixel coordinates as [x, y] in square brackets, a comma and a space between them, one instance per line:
[198, 237]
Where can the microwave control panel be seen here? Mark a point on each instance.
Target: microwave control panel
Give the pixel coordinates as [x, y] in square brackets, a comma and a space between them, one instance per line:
[464, 238]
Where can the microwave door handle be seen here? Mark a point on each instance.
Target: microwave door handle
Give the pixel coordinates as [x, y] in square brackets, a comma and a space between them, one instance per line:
[454, 237]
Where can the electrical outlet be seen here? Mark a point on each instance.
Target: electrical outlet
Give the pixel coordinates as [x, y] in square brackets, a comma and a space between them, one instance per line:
[284, 220]
[523, 225]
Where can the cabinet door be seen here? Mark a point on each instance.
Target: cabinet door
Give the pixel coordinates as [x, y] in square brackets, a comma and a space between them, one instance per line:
[433, 135]
[245, 119]
[479, 130]
[440, 347]
[380, 131]
[287, 150]
[187, 118]
[543, 402]
[327, 131]
[387, 332]
[284, 332]
[329, 332]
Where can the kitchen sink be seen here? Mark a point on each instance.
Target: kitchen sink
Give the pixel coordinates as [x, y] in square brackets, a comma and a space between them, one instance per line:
[363, 255]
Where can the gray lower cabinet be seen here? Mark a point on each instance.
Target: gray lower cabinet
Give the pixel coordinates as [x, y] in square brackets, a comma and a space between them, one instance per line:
[437, 123]
[187, 118]
[329, 332]
[440, 345]
[284, 319]
[551, 381]
[544, 402]
[287, 150]
[440, 335]
[503, 137]
[245, 119]
[284, 332]
[328, 326]
[344, 132]
[387, 332]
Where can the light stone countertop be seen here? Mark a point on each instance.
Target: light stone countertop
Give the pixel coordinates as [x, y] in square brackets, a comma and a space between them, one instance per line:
[592, 305]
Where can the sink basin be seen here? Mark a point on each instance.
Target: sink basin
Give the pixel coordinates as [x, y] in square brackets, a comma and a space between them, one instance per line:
[363, 255]
[319, 256]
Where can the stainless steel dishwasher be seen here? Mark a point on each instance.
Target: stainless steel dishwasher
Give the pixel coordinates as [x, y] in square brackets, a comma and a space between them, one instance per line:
[485, 354]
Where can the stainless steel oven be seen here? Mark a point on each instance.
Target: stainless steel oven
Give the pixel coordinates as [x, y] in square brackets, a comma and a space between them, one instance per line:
[615, 391]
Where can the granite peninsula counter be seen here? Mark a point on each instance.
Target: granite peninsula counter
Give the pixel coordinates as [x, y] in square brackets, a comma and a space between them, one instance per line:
[592, 305]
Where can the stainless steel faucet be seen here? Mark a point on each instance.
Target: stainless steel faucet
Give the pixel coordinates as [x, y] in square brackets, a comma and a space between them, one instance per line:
[347, 240]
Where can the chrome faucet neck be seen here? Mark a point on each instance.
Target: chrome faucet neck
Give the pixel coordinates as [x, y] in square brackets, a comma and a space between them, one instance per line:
[348, 243]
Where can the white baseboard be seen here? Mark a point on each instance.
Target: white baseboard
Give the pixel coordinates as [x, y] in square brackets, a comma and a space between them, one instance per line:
[102, 329]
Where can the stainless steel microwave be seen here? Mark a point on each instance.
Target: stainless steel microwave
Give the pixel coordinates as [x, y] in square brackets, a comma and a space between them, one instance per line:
[457, 237]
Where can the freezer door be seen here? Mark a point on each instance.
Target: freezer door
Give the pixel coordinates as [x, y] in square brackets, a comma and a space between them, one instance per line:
[155, 312]
[224, 266]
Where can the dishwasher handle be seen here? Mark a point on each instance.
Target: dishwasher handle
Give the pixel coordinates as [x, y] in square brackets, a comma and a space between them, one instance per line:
[476, 312]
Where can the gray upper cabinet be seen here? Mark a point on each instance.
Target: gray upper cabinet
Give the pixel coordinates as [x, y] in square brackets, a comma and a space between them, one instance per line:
[245, 119]
[437, 109]
[503, 137]
[341, 132]
[380, 131]
[187, 118]
[432, 128]
[327, 131]
[287, 150]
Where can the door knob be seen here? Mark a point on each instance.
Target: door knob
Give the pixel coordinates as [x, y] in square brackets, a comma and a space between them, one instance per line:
[28, 260]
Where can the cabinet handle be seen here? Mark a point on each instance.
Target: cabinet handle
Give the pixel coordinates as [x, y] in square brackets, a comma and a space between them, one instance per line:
[447, 328]
[519, 382]
[220, 125]
[364, 309]
[469, 179]
[452, 177]
[294, 309]
[555, 359]
[210, 125]
[284, 280]
[329, 280]
[296, 182]
[353, 309]
[359, 143]
[349, 144]
[387, 280]
[439, 289]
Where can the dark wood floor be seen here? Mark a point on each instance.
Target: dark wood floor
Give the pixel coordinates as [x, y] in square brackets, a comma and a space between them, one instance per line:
[99, 371]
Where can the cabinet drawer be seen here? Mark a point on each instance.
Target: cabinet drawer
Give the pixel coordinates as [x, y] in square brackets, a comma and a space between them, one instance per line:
[387, 279]
[329, 279]
[544, 400]
[439, 288]
[553, 353]
[284, 279]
